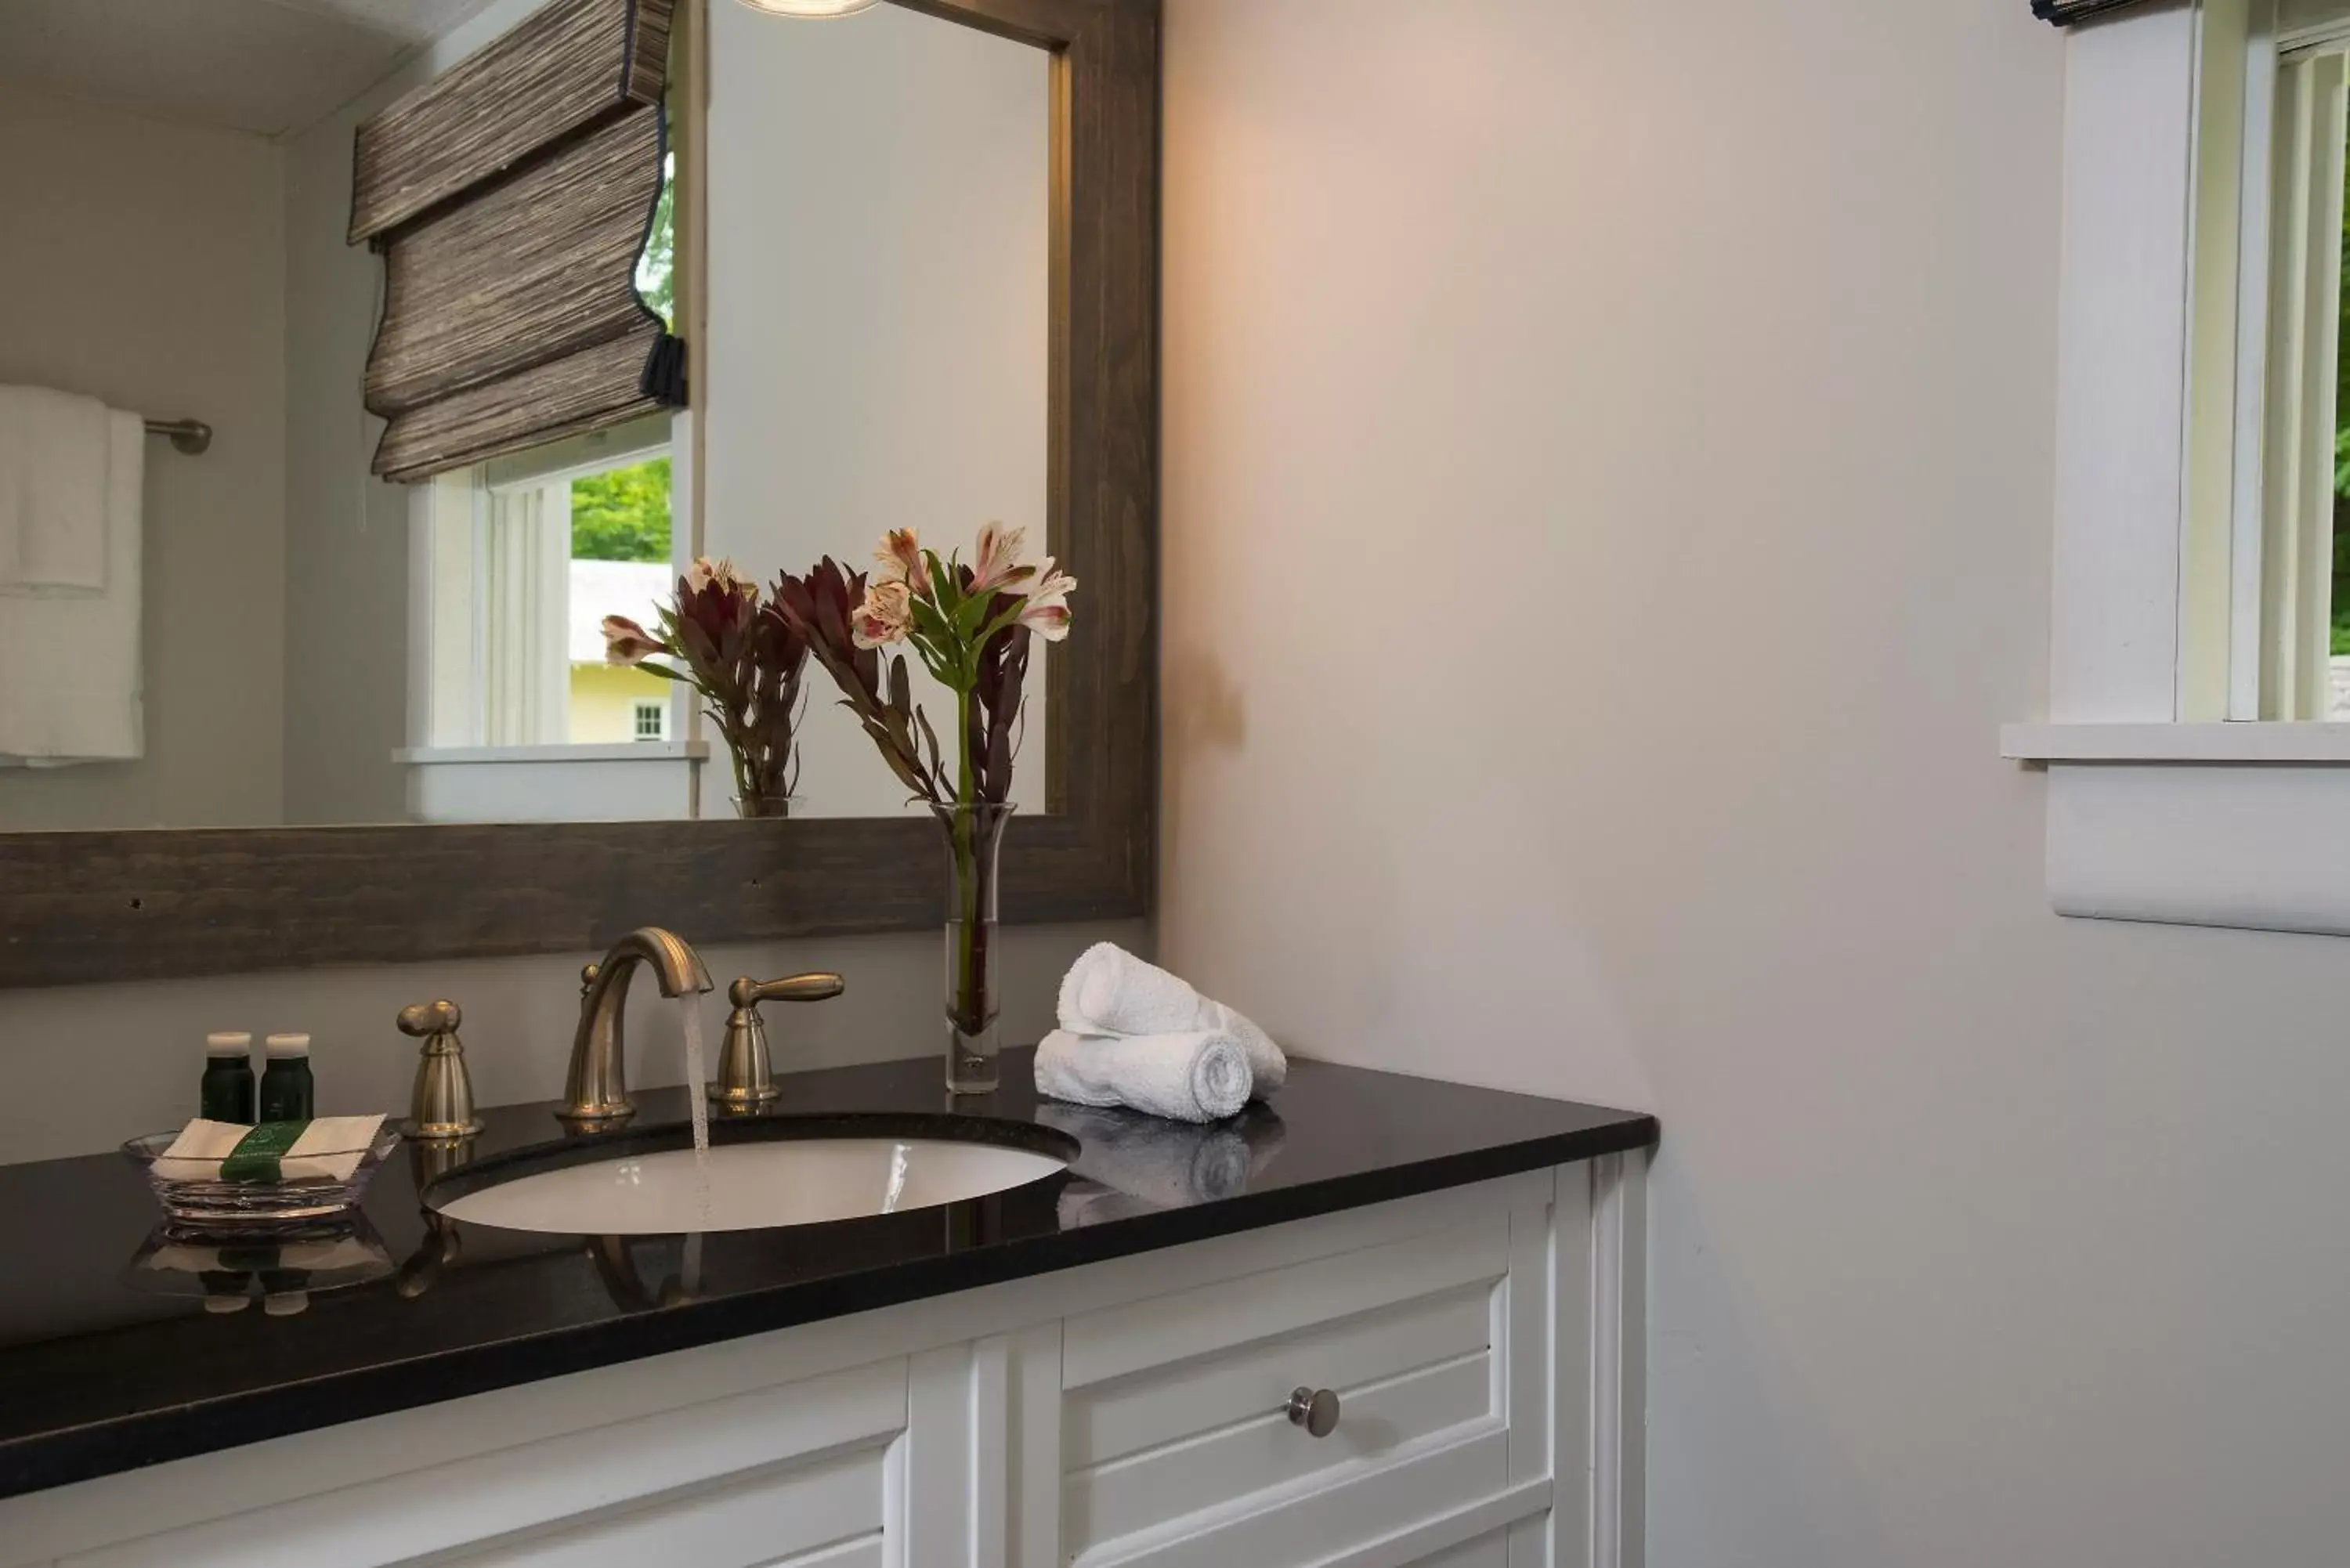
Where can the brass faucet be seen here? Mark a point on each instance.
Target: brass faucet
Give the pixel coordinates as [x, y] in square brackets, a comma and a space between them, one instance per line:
[596, 1093]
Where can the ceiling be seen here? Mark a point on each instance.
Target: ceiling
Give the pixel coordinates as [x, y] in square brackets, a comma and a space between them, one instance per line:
[266, 66]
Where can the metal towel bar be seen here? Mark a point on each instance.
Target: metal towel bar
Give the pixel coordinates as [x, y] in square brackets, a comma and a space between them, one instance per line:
[191, 436]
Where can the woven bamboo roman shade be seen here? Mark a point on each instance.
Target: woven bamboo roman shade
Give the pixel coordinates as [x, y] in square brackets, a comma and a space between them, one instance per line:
[509, 198]
[2065, 13]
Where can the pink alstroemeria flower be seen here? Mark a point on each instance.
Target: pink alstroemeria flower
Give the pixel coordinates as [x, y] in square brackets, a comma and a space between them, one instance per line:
[722, 573]
[899, 560]
[885, 617]
[1046, 608]
[995, 566]
[627, 643]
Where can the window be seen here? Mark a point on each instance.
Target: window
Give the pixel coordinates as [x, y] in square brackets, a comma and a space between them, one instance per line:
[653, 720]
[2198, 470]
[523, 557]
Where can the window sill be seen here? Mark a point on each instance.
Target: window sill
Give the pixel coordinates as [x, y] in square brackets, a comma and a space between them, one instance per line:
[2235, 743]
[611, 751]
[623, 781]
[2242, 826]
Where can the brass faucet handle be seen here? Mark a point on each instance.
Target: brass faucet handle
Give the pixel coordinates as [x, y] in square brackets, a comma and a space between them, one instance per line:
[820, 986]
[425, 1018]
[747, 1077]
[441, 1110]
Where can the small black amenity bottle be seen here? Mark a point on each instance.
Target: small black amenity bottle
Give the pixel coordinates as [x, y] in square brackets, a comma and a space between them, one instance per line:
[285, 1091]
[226, 1093]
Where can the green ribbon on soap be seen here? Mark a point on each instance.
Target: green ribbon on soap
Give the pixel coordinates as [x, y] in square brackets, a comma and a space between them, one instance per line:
[257, 1154]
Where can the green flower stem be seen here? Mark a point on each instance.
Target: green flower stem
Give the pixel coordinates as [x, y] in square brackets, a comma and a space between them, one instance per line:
[970, 950]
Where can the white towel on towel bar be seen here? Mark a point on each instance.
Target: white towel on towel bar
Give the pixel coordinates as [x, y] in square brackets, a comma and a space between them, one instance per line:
[54, 475]
[71, 683]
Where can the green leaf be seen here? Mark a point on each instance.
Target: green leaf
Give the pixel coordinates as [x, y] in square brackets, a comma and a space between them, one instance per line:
[931, 623]
[969, 614]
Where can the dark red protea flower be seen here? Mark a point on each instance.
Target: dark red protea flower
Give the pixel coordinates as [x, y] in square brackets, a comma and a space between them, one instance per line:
[821, 608]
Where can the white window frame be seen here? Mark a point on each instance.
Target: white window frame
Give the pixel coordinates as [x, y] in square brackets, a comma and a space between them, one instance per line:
[449, 523]
[658, 708]
[2170, 797]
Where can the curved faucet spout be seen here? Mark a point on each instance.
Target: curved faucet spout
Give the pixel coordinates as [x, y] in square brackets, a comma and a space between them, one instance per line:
[596, 1091]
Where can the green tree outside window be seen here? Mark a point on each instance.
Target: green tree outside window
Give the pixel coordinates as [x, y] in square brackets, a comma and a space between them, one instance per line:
[622, 514]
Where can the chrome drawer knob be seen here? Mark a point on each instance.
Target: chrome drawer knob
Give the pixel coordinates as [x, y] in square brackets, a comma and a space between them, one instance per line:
[1316, 1409]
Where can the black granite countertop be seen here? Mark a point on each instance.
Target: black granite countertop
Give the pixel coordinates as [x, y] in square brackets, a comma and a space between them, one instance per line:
[101, 1373]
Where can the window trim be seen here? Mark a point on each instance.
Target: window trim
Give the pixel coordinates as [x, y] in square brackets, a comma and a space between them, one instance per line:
[2160, 807]
[450, 517]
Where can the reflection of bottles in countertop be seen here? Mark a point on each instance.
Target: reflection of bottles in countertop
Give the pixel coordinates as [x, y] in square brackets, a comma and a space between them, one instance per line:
[227, 1092]
[285, 1292]
[286, 1093]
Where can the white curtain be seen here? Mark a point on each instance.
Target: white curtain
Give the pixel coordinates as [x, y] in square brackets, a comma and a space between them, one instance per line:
[525, 663]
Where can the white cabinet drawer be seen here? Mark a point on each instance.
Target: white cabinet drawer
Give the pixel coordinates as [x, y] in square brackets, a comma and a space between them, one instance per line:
[1176, 1444]
[827, 1510]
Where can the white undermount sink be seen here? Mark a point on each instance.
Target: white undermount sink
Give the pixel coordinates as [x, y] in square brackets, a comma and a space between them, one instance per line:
[748, 1185]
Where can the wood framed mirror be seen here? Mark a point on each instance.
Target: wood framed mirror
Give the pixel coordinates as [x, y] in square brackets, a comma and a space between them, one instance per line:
[121, 899]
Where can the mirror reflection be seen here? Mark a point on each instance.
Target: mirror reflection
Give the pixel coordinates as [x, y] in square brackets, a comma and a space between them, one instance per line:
[318, 479]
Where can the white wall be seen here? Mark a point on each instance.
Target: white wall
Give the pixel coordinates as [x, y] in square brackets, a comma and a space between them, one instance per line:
[1527, 361]
[346, 562]
[877, 353]
[347, 546]
[141, 263]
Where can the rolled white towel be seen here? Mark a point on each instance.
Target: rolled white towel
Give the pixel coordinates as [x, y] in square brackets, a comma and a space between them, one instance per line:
[1198, 1076]
[1108, 991]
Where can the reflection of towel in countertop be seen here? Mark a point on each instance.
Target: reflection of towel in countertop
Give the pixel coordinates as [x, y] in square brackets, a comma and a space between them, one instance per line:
[71, 686]
[55, 474]
[1128, 1163]
[1108, 991]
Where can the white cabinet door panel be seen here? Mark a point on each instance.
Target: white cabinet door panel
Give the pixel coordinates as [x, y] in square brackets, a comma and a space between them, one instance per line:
[806, 1511]
[866, 1554]
[1485, 1552]
[542, 1489]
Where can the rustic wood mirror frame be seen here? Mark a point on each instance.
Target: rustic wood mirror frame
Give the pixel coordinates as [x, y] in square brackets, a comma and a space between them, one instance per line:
[120, 905]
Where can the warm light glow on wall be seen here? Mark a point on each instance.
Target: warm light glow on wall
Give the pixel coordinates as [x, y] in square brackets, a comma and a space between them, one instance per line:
[809, 8]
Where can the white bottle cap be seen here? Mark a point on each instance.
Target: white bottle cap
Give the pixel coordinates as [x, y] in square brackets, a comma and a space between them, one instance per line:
[288, 1045]
[228, 1042]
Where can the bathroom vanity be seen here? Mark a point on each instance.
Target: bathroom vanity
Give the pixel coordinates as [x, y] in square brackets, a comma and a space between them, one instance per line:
[1379, 1322]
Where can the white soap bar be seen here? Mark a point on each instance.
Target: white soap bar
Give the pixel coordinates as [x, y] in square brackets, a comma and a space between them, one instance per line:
[329, 1148]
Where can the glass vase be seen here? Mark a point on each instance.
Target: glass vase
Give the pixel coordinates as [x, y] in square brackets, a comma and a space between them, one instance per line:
[750, 807]
[974, 843]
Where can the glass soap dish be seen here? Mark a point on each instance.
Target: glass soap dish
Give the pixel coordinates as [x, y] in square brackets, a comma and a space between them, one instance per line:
[209, 1203]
